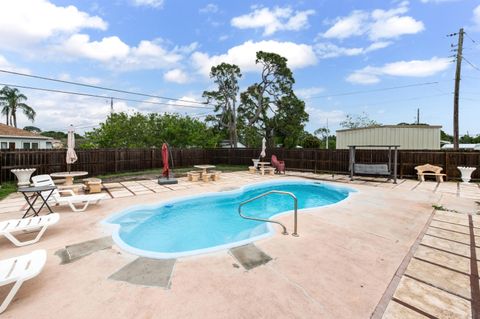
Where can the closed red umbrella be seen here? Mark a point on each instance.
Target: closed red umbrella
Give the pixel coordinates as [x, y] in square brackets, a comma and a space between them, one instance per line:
[166, 169]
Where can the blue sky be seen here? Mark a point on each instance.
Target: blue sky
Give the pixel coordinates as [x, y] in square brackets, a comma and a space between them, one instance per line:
[166, 48]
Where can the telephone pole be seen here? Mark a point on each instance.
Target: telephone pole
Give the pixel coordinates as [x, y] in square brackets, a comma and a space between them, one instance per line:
[111, 105]
[456, 93]
[418, 116]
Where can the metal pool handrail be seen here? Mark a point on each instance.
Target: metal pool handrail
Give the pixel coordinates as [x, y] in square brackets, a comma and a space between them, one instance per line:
[295, 201]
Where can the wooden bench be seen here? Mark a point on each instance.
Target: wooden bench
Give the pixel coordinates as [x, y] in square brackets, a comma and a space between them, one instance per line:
[371, 169]
[93, 185]
[215, 175]
[206, 177]
[75, 187]
[193, 176]
[430, 170]
[270, 170]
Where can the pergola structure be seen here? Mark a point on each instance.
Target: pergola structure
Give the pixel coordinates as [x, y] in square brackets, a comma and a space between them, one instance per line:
[384, 169]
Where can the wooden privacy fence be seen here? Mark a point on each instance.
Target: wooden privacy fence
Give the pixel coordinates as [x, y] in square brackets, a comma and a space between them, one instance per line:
[104, 161]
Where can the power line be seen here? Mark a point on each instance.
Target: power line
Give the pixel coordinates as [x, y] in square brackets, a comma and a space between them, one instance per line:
[471, 64]
[397, 100]
[101, 96]
[374, 90]
[470, 38]
[97, 87]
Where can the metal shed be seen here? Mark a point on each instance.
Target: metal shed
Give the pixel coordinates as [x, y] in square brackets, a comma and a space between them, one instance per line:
[412, 137]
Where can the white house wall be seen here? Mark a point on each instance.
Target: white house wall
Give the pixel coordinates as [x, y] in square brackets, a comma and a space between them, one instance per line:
[42, 144]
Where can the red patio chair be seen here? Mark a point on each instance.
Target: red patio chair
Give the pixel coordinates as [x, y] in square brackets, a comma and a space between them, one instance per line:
[279, 165]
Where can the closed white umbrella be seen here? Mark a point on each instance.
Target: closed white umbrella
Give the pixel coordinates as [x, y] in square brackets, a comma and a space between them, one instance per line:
[71, 155]
[264, 147]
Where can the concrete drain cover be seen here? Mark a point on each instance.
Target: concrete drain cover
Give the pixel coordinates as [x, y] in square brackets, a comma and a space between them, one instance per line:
[77, 251]
[250, 256]
[146, 272]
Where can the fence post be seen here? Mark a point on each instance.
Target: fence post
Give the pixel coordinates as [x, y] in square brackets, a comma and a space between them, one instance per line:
[152, 156]
[116, 160]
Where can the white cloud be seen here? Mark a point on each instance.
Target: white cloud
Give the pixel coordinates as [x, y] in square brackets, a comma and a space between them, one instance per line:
[89, 80]
[353, 25]
[177, 76]
[306, 93]
[116, 54]
[149, 3]
[318, 117]
[209, 8]
[273, 20]
[326, 50]
[476, 18]
[6, 65]
[243, 55]
[108, 48]
[378, 24]
[26, 22]
[414, 68]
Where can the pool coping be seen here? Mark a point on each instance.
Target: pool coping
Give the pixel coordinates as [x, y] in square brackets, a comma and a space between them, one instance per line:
[114, 229]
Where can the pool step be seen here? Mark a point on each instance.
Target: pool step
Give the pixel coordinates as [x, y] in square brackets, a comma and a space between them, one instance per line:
[76, 251]
[249, 256]
[146, 272]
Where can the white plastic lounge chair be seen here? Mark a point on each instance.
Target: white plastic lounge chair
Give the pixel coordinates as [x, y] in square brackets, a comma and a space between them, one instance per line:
[18, 270]
[8, 227]
[85, 200]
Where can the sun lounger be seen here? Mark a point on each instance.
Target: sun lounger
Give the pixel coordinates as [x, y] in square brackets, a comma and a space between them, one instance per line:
[19, 269]
[73, 199]
[8, 227]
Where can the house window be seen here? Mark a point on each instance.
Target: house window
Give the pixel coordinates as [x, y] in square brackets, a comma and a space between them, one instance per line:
[11, 146]
[34, 146]
[26, 146]
[49, 145]
[4, 145]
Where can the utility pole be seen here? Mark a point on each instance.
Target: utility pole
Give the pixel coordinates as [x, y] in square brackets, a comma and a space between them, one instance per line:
[111, 105]
[418, 116]
[456, 93]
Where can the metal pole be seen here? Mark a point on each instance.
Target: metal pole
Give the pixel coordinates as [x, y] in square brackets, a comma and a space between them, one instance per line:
[295, 206]
[395, 165]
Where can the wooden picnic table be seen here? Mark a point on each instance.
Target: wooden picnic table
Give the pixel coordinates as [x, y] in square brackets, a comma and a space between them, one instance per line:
[204, 168]
[262, 166]
[69, 176]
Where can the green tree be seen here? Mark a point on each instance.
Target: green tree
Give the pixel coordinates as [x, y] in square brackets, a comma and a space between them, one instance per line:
[445, 137]
[121, 130]
[310, 141]
[33, 129]
[224, 98]
[271, 106]
[11, 101]
[358, 121]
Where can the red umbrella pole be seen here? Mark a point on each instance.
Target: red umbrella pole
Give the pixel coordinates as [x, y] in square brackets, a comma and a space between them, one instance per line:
[166, 169]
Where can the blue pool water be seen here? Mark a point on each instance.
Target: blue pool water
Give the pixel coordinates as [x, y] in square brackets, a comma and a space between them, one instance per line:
[208, 222]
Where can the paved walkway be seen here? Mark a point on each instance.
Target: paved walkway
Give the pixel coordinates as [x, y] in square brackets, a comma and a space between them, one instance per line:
[385, 252]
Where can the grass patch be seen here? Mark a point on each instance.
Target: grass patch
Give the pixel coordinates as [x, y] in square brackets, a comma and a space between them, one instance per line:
[176, 171]
[7, 189]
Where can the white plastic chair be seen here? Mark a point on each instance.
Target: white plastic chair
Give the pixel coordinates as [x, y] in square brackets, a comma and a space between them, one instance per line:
[72, 200]
[18, 270]
[8, 227]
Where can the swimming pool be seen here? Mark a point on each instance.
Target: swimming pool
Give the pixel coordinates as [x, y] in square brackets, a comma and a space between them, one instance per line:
[209, 222]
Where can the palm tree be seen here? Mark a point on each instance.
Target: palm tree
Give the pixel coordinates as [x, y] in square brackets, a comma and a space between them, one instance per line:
[12, 100]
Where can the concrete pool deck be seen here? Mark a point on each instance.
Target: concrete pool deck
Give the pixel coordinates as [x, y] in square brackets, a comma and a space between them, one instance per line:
[345, 264]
